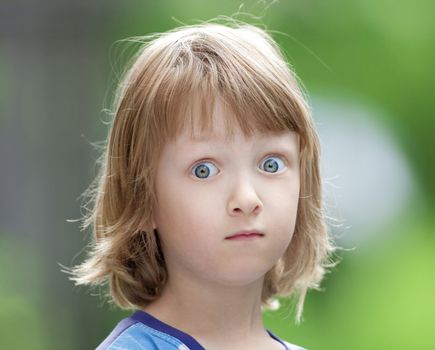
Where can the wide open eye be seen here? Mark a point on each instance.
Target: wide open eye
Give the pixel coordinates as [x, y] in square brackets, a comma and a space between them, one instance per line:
[203, 170]
[272, 164]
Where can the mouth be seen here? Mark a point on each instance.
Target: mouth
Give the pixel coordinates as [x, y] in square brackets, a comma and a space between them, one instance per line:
[245, 235]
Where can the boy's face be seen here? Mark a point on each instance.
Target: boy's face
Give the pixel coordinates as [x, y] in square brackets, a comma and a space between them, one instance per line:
[209, 190]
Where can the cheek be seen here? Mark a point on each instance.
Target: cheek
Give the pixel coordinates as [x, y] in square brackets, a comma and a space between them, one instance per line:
[189, 228]
[185, 211]
[284, 194]
[281, 206]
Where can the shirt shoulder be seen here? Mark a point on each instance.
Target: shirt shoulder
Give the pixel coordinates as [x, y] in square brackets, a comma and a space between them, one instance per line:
[137, 336]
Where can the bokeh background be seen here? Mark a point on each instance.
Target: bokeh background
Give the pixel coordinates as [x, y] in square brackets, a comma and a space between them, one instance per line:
[368, 69]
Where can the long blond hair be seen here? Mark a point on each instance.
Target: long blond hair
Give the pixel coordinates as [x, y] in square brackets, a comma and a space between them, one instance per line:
[241, 65]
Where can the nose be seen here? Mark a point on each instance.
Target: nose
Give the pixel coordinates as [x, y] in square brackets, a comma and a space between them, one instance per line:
[244, 199]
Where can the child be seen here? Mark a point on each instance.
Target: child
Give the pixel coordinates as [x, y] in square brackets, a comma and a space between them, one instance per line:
[208, 203]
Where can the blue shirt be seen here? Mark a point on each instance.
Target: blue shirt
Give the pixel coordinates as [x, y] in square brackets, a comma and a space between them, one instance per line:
[141, 331]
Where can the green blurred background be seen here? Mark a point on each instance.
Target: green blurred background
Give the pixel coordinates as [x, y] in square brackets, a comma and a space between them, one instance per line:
[368, 69]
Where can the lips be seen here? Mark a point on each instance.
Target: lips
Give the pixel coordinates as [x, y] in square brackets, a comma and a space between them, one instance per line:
[246, 234]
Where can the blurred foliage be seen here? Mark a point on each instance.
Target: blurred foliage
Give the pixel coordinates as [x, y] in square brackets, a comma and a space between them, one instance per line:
[20, 292]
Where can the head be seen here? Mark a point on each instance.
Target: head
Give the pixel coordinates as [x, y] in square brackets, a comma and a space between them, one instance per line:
[232, 86]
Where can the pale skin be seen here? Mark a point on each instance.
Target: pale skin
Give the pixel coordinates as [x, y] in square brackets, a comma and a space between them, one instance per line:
[207, 190]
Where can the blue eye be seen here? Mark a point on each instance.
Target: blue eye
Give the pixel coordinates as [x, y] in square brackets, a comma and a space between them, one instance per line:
[202, 171]
[272, 164]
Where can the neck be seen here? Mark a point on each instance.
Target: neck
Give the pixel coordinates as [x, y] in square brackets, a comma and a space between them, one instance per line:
[210, 310]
